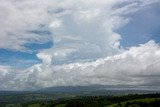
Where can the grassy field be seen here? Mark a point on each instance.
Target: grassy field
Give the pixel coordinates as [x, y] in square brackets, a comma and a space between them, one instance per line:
[135, 103]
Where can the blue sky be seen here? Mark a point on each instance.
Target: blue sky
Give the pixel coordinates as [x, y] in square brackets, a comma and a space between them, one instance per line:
[60, 43]
[144, 25]
[15, 58]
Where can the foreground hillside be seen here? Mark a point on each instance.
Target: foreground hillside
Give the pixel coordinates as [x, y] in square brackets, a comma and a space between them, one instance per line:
[40, 100]
[146, 102]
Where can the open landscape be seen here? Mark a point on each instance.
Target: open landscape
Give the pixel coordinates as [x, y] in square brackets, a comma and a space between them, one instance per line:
[101, 98]
[79, 53]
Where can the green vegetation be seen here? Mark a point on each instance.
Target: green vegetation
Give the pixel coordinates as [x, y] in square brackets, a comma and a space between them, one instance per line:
[34, 105]
[136, 100]
[146, 102]
[60, 105]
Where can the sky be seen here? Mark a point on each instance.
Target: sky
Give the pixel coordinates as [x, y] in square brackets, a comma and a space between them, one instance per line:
[48, 43]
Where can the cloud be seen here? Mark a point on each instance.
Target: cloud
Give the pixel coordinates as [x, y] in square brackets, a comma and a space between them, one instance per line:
[56, 23]
[137, 66]
[18, 17]
[44, 57]
[88, 28]
[86, 48]
[3, 70]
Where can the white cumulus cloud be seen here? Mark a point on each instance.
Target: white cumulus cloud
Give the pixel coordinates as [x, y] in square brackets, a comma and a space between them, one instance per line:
[86, 48]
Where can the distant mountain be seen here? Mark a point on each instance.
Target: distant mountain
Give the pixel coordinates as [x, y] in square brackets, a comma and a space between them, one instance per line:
[75, 88]
[88, 90]
[99, 89]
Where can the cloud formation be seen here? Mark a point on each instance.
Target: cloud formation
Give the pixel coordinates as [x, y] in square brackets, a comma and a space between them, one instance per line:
[138, 66]
[86, 49]
[21, 19]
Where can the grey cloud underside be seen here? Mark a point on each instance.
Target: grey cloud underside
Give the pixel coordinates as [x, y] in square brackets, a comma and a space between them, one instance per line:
[86, 47]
